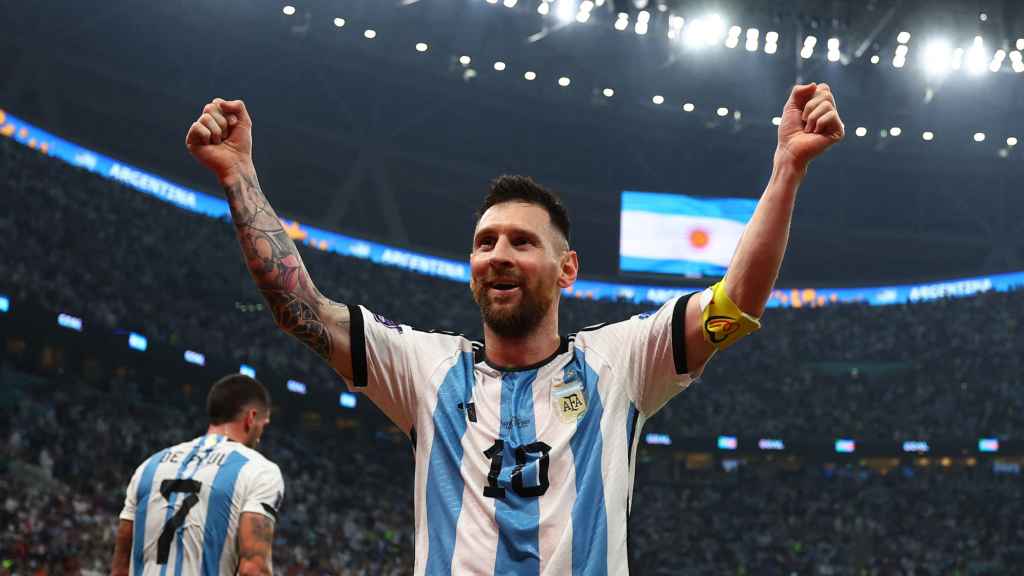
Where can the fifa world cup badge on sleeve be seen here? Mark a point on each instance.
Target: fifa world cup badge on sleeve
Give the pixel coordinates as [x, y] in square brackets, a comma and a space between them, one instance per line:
[568, 397]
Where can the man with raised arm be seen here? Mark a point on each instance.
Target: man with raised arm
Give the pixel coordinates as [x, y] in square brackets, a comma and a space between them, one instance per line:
[524, 443]
[207, 506]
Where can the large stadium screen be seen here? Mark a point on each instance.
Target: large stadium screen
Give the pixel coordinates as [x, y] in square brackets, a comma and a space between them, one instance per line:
[678, 234]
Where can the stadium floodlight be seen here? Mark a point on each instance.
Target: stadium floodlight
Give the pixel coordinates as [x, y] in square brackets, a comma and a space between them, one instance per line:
[499, 66]
[958, 59]
[811, 41]
[658, 99]
[422, 47]
[903, 37]
[776, 121]
[902, 50]
[339, 22]
[732, 41]
[622, 22]
[861, 131]
[928, 136]
[608, 92]
[833, 43]
[564, 81]
[688, 107]
[1020, 44]
[1011, 141]
[543, 8]
[640, 28]
[875, 59]
[772, 37]
[465, 60]
[936, 57]
[771, 48]
[565, 10]
[997, 60]
[707, 30]
[899, 61]
[722, 111]
[492, 1]
[979, 136]
[895, 131]
[288, 10]
[582, 17]
[975, 58]
[806, 52]
[753, 34]
[834, 55]
[370, 33]
[530, 75]
[510, 3]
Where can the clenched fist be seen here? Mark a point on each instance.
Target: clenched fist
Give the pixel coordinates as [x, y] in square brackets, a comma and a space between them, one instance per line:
[221, 139]
[810, 123]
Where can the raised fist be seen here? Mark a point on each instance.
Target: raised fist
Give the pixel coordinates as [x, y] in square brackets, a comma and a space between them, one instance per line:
[221, 139]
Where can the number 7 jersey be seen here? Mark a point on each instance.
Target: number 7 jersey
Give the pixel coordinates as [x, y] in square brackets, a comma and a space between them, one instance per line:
[185, 503]
[525, 471]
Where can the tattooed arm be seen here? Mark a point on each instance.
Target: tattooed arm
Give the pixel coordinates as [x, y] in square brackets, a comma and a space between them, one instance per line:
[222, 140]
[255, 544]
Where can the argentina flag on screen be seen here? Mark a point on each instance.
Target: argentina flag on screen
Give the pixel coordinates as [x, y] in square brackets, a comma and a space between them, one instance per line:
[677, 234]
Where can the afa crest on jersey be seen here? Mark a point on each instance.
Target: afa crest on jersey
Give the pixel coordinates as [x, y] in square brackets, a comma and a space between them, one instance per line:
[568, 397]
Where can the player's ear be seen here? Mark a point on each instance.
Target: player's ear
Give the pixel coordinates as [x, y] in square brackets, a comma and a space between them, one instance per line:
[570, 264]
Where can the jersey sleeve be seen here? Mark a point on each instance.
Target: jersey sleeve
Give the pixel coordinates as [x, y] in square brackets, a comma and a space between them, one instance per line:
[128, 511]
[392, 363]
[649, 351]
[265, 492]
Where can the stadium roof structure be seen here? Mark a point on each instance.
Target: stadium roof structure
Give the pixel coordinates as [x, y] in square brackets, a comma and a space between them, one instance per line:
[393, 134]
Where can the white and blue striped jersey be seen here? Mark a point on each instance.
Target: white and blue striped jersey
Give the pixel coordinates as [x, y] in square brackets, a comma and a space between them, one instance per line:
[527, 471]
[185, 502]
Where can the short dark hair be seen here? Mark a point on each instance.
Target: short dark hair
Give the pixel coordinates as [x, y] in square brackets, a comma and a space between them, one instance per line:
[232, 394]
[514, 188]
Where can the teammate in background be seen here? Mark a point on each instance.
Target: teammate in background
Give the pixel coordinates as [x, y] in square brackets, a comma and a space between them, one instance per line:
[525, 443]
[207, 506]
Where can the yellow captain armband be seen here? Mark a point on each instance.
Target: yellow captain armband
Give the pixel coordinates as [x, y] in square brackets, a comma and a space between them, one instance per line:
[724, 323]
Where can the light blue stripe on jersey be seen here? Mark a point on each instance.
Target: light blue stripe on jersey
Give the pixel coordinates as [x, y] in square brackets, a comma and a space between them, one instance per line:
[218, 512]
[174, 495]
[518, 517]
[181, 531]
[589, 517]
[141, 508]
[444, 477]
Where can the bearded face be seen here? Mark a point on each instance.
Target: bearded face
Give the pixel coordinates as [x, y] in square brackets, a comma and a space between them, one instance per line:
[516, 268]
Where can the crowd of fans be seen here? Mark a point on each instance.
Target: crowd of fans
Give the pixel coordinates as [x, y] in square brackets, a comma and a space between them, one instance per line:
[123, 260]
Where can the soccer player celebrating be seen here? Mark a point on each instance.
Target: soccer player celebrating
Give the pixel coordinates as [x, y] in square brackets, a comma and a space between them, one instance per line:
[525, 443]
[207, 506]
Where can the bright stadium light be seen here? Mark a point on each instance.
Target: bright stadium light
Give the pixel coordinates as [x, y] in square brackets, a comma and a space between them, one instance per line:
[806, 52]
[1020, 43]
[1011, 141]
[422, 47]
[582, 17]
[834, 55]
[776, 121]
[732, 41]
[861, 131]
[608, 92]
[899, 61]
[499, 66]
[288, 10]
[564, 81]
[833, 43]
[565, 10]
[530, 75]
[928, 136]
[543, 9]
[752, 37]
[510, 3]
[688, 107]
[723, 111]
[811, 41]
[640, 28]
[771, 48]
[772, 37]
[339, 22]
[997, 60]
[936, 57]
[658, 99]
[622, 22]
[979, 136]
[975, 58]
[370, 34]
[705, 31]
[903, 37]
[895, 131]
[875, 59]
[465, 60]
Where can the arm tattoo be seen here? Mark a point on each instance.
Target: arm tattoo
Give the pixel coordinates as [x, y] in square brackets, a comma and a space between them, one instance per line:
[257, 545]
[275, 265]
